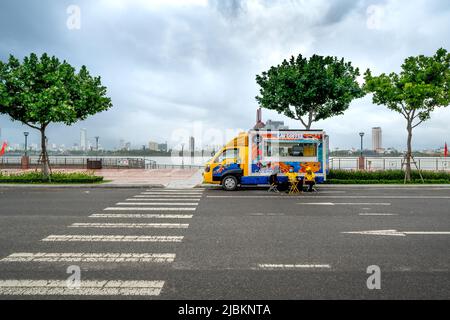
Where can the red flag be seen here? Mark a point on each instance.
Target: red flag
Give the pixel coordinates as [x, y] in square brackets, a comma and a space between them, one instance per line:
[445, 150]
[2, 152]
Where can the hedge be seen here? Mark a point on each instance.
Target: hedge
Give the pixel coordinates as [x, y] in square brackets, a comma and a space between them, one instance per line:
[57, 177]
[386, 176]
[352, 181]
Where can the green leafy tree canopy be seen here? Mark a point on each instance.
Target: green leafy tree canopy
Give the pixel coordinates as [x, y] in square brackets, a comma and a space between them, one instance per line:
[40, 91]
[309, 90]
[422, 86]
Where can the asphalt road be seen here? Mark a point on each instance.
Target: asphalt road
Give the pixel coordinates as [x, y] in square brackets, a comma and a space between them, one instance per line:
[212, 244]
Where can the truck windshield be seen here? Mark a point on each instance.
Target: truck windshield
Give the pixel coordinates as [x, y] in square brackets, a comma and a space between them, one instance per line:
[228, 154]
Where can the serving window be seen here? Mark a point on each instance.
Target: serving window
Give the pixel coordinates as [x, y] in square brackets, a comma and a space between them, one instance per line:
[289, 149]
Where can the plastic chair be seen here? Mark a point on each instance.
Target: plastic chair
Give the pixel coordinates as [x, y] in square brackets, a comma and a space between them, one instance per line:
[293, 181]
[273, 181]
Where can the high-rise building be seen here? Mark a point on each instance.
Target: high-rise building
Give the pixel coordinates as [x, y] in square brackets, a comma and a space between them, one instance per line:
[83, 140]
[192, 146]
[377, 142]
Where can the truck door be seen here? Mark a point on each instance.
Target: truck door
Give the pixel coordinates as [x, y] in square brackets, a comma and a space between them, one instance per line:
[229, 161]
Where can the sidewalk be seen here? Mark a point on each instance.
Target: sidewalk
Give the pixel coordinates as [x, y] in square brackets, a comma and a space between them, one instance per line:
[139, 178]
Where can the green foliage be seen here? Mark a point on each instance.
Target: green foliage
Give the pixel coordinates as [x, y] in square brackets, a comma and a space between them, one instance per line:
[57, 178]
[414, 181]
[43, 90]
[387, 175]
[421, 86]
[318, 88]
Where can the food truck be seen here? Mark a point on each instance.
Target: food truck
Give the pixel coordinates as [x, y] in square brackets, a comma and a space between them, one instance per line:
[252, 157]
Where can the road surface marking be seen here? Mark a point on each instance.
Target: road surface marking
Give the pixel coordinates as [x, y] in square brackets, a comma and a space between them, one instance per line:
[164, 199]
[176, 190]
[378, 214]
[173, 193]
[146, 216]
[91, 257]
[87, 288]
[293, 266]
[344, 203]
[107, 238]
[318, 196]
[157, 204]
[148, 209]
[131, 225]
[167, 197]
[396, 233]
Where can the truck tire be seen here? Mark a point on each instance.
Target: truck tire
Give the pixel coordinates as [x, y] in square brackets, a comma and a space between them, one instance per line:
[230, 183]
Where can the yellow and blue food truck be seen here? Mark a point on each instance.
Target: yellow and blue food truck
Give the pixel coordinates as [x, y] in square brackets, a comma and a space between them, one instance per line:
[251, 158]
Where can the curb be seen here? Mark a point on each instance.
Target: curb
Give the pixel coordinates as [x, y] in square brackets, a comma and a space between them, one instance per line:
[82, 186]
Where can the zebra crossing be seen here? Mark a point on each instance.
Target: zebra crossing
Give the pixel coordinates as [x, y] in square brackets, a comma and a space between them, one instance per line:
[156, 202]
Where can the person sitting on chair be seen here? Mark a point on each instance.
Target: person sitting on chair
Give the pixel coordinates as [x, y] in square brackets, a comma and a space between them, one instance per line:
[310, 179]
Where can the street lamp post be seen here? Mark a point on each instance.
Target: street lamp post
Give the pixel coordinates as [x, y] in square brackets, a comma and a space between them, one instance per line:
[182, 155]
[361, 134]
[361, 157]
[26, 142]
[25, 161]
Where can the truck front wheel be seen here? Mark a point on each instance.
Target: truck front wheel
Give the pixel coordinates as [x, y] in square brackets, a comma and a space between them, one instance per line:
[230, 183]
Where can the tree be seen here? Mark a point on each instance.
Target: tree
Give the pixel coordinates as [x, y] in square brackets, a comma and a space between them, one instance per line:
[40, 91]
[309, 90]
[422, 85]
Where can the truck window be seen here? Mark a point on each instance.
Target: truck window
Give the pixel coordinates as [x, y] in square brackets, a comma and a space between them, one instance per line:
[290, 149]
[228, 154]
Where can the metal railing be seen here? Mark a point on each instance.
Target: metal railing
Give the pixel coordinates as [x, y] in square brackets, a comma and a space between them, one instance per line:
[390, 163]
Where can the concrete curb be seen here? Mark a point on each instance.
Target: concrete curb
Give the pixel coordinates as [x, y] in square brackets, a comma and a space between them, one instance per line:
[82, 186]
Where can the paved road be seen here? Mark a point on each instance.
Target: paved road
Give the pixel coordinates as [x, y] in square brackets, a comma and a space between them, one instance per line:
[211, 244]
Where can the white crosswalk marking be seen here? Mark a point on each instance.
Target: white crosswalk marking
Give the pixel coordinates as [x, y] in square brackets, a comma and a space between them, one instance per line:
[166, 196]
[107, 238]
[131, 225]
[176, 190]
[141, 216]
[293, 266]
[148, 209]
[90, 257]
[173, 193]
[157, 204]
[163, 199]
[87, 288]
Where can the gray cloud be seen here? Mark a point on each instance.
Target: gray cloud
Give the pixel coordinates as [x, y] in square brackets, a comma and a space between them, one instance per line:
[169, 66]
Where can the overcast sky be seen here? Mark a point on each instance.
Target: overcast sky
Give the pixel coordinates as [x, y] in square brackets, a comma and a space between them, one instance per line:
[180, 67]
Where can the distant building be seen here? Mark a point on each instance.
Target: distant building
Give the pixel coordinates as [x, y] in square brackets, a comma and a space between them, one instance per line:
[275, 125]
[259, 124]
[153, 146]
[377, 142]
[83, 140]
[128, 146]
[192, 146]
[162, 147]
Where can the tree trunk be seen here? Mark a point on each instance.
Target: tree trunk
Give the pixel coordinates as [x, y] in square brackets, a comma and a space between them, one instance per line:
[310, 121]
[44, 156]
[408, 153]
